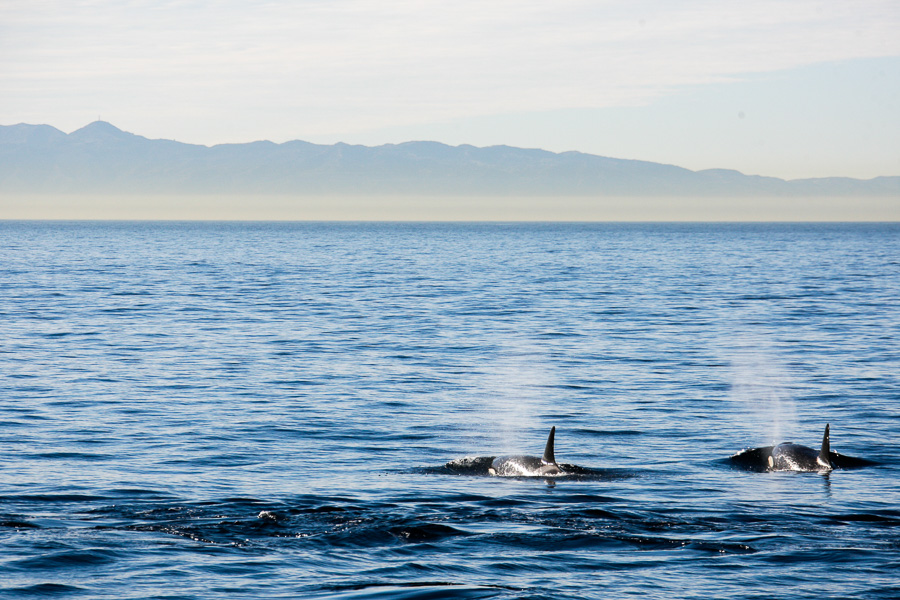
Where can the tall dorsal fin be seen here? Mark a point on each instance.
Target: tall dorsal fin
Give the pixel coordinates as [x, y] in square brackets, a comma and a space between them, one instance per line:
[548, 449]
[824, 458]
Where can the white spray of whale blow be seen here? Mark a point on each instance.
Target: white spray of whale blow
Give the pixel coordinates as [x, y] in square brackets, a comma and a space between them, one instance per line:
[762, 387]
[513, 396]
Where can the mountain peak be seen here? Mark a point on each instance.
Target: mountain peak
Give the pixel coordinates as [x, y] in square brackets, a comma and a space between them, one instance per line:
[100, 131]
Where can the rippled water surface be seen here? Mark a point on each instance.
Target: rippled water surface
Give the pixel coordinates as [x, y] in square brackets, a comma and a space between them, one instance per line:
[248, 410]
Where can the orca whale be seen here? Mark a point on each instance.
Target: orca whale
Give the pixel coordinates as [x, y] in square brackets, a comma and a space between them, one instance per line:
[528, 466]
[788, 456]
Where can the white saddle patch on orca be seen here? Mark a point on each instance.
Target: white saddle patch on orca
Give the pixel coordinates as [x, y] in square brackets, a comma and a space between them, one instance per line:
[528, 466]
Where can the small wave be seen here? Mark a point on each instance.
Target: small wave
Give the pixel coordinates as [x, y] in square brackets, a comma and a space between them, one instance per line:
[69, 456]
[46, 589]
[428, 532]
[69, 559]
[885, 519]
[52, 498]
[14, 523]
[610, 432]
[415, 591]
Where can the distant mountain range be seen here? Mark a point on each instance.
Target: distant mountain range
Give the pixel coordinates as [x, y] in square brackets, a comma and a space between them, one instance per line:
[101, 158]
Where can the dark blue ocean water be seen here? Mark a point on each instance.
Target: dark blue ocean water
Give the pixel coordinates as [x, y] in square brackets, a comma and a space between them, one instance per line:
[251, 410]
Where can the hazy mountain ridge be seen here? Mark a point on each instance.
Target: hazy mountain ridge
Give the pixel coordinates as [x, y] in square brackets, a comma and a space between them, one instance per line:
[101, 158]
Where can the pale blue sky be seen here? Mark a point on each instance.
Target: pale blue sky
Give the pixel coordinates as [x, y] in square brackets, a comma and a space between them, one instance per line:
[791, 89]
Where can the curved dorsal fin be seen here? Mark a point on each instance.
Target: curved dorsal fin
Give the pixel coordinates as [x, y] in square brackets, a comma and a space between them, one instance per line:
[824, 458]
[548, 457]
